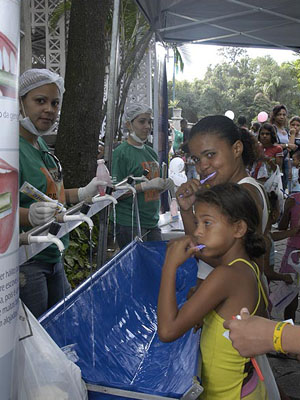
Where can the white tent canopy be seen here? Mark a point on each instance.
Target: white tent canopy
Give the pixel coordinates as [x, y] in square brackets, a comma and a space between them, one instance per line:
[255, 23]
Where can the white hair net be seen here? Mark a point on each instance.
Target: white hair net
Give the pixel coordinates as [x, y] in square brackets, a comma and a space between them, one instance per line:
[36, 77]
[136, 109]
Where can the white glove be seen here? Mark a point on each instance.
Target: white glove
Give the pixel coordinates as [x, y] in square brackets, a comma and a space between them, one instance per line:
[157, 184]
[91, 189]
[169, 184]
[41, 212]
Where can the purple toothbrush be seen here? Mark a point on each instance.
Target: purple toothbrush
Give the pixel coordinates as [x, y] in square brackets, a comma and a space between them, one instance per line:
[202, 181]
[207, 178]
[200, 246]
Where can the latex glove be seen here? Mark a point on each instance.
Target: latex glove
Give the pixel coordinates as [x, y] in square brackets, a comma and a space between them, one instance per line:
[41, 212]
[90, 190]
[169, 184]
[153, 184]
[158, 184]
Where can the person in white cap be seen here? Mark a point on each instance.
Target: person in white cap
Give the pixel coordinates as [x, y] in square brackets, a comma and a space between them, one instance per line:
[132, 157]
[42, 279]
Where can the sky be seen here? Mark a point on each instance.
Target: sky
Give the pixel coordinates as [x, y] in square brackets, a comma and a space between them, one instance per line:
[198, 57]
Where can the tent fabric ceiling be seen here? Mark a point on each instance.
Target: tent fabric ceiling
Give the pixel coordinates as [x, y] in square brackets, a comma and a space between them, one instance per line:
[255, 23]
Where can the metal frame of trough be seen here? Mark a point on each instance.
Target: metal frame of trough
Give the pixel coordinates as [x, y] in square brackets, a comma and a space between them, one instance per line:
[191, 394]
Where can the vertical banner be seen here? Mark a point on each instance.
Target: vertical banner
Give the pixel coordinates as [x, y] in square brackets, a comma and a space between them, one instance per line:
[9, 164]
[160, 126]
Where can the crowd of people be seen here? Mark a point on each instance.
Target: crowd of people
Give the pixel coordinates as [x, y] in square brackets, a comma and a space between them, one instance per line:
[228, 221]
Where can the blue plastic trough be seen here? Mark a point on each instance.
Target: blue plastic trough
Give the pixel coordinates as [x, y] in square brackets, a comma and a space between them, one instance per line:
[111, 323]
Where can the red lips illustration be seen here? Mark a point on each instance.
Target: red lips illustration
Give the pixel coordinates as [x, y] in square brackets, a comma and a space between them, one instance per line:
[8, 67]
[8, 203]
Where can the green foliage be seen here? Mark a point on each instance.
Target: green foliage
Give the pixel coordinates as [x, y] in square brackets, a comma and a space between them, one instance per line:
[58, 12]
[173, 103]
[77, 256]
[245, 86]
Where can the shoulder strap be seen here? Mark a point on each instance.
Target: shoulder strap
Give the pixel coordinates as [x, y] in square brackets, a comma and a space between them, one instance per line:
[260, 188]
[261, 291]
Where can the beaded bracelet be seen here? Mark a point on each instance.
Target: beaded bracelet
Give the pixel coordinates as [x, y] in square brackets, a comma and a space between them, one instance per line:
[277, 336]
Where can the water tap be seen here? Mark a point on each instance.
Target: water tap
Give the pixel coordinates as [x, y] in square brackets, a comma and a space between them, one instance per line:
[27, 238]
[128, 185]
[107, 196]
[141, 178]
[64, 217]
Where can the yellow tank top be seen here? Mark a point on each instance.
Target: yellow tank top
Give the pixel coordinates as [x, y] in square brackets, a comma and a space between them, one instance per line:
[222, 372]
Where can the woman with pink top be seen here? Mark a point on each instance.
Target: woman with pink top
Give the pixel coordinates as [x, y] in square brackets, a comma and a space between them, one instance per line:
[290, 218]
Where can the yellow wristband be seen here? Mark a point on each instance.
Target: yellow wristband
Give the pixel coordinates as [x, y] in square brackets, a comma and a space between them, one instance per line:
[277, 336]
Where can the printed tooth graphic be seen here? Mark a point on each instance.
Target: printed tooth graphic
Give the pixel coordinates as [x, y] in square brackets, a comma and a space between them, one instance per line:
[13, 64]
[8, 203]
[8, 67]
[5, 60]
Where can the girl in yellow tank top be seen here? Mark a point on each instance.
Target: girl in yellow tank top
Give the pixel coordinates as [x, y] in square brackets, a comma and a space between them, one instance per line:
[227, 221]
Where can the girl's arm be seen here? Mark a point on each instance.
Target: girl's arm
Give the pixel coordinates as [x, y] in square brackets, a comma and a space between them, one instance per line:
[273, 163]
[172, 321]
[292, 146]
[280, 235]
[269, 269]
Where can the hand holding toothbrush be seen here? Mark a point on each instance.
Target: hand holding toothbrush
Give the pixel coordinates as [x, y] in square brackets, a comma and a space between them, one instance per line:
[186, 193]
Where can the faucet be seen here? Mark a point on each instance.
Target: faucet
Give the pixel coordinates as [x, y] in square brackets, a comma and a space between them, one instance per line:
[107, 196]
[64, 217]
[140, 178]
[27, 238]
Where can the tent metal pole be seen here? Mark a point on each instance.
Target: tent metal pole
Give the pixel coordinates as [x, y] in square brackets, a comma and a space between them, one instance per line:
[264, 10]
[110, 125]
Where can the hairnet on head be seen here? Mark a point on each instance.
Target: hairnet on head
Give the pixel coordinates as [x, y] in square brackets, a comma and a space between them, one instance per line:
[133, 110]
[36, 77]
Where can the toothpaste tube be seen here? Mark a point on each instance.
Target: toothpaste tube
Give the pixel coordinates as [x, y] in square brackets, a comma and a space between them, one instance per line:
[37, 195]
[5, 204]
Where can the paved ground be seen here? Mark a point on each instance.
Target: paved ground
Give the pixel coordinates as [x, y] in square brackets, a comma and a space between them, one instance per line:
[286, 371]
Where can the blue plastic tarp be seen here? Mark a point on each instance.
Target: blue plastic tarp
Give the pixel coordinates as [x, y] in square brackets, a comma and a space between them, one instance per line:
[111, 323]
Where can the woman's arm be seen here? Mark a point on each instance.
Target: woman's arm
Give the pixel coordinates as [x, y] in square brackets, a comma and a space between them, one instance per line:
[252, 336]
[24, 221]
[71, 196]
[186, 198]
[286, 216]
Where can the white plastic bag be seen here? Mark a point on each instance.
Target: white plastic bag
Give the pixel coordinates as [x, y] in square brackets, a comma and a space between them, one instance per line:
[274, 184]
[43, 370]
[262, 172]
[271, 385]
[284, 293]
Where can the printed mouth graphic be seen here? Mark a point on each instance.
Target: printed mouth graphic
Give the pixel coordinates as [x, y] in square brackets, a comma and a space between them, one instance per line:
[8, 67]
[8, 203]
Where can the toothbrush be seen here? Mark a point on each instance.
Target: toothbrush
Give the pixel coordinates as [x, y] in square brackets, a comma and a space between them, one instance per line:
[200, 246]
[253, 360]
[202, 181]
[207, 178]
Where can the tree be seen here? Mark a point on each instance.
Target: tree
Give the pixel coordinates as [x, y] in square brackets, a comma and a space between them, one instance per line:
[87, 61]
[81, 114]
[246, 86]
[232, 54]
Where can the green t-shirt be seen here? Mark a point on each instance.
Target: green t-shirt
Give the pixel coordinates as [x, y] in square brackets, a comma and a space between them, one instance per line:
[178, 139]
[40, 170]
[129, 160]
